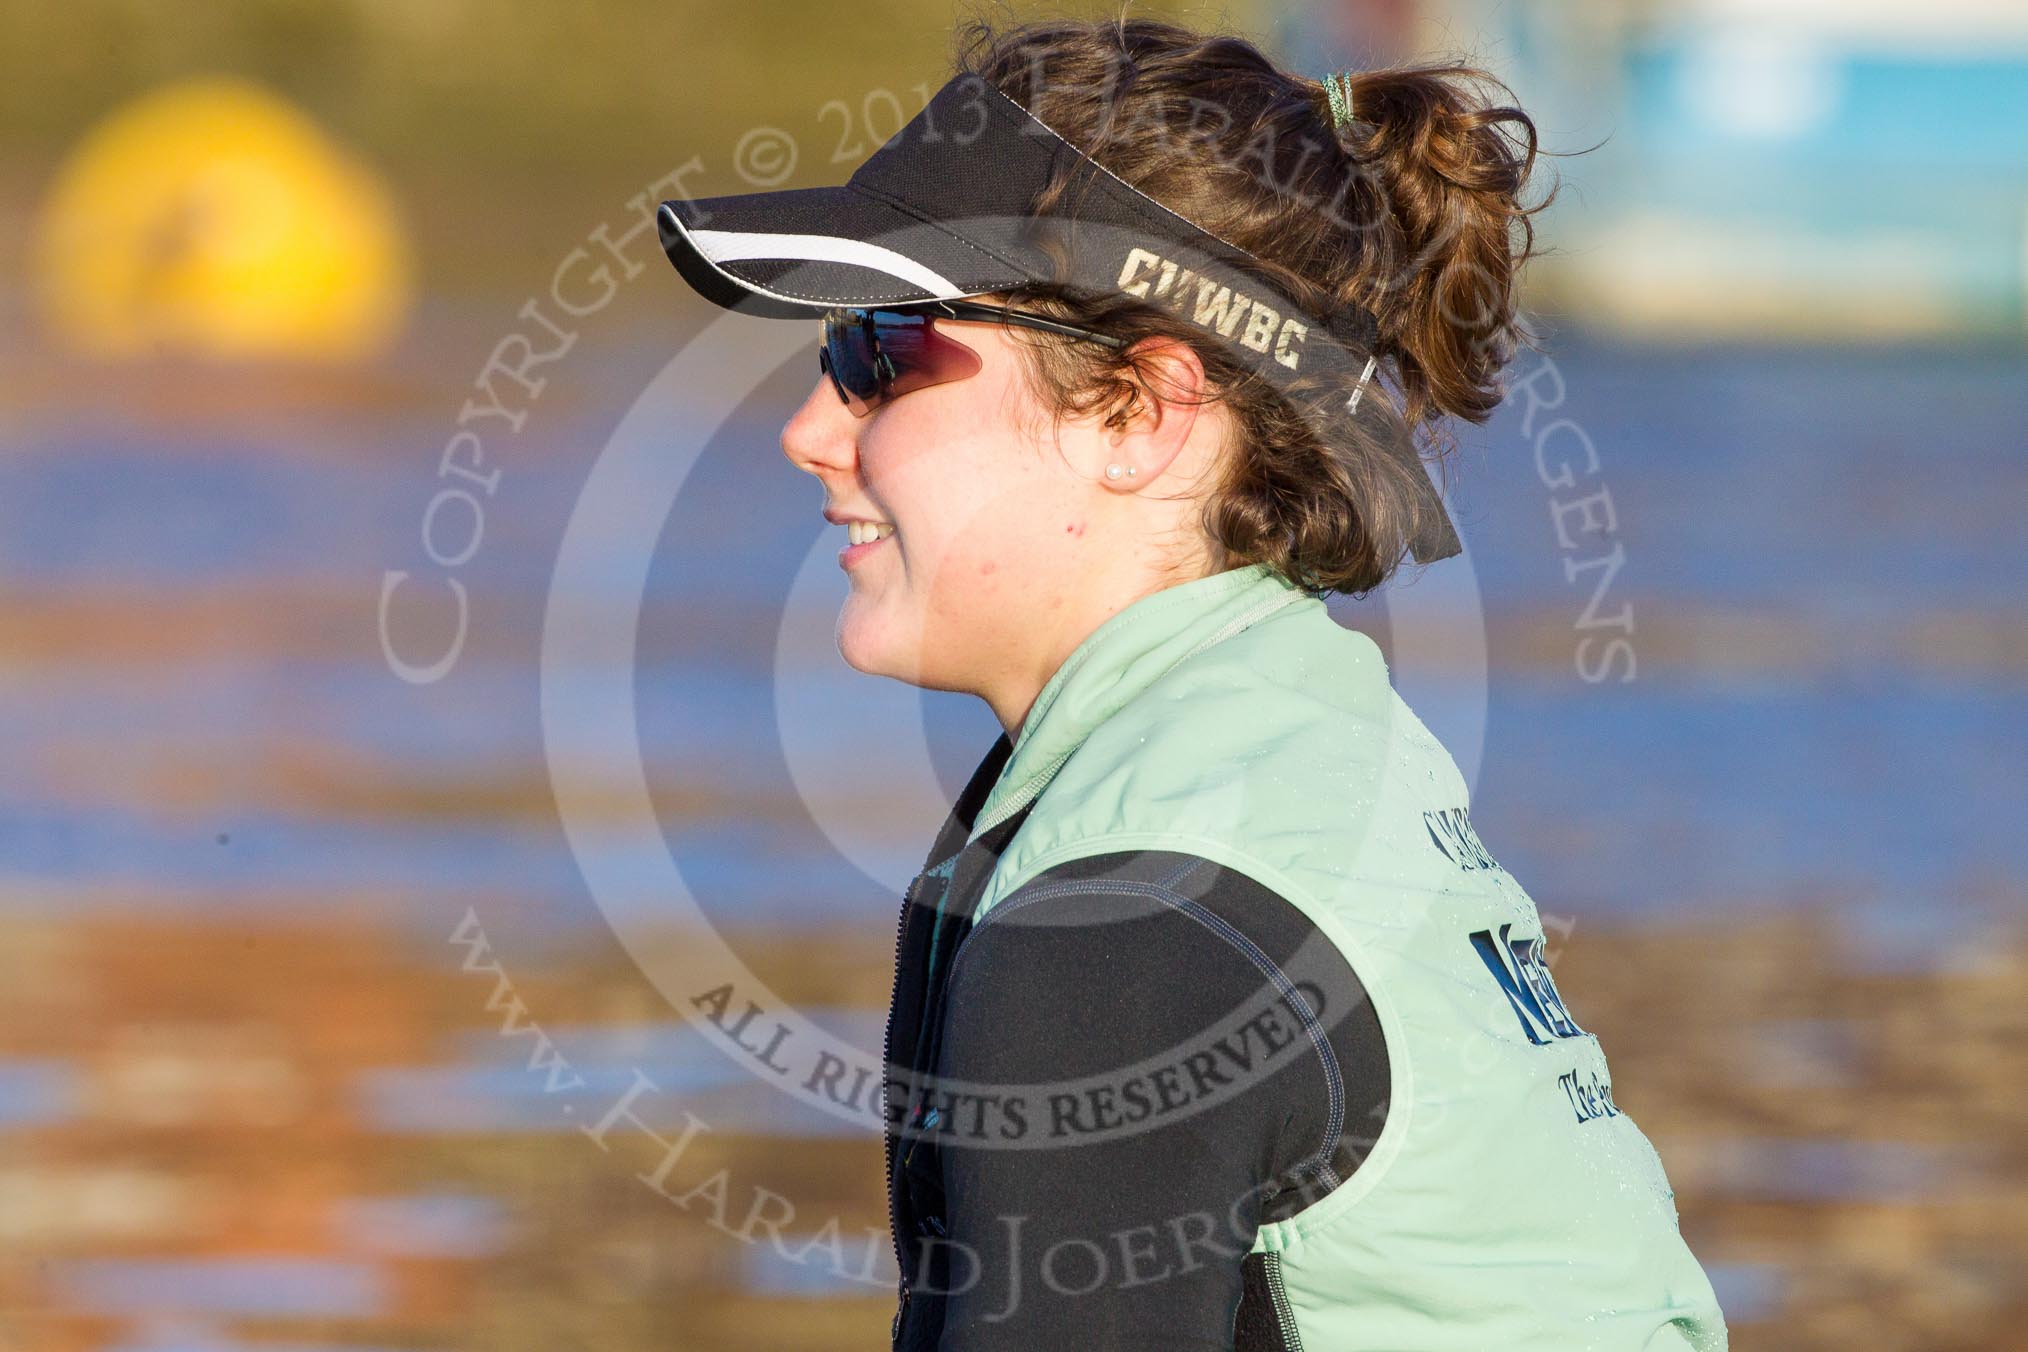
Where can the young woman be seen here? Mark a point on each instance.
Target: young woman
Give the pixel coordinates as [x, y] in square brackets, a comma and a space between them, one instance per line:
[1215, 1024]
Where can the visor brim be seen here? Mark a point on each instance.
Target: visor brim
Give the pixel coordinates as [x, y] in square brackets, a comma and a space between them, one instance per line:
[796, 252]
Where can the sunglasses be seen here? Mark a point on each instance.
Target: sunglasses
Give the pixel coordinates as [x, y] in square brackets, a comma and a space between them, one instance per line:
[875, 355]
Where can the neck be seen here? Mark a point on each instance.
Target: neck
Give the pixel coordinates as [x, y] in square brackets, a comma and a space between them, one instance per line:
[1013, 697]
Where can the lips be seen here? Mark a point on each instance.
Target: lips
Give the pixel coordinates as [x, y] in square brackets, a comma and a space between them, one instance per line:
[863, 534]
[863, 537]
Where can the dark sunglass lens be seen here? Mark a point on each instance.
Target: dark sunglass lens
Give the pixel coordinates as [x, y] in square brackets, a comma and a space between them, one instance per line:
[848, 353]
[872, 356]
[917, 354]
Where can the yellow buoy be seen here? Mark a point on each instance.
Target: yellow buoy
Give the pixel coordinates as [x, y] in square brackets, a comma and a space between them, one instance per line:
[213, 218]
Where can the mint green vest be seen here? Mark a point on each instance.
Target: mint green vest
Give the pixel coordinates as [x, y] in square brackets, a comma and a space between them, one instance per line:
[1508, 1203]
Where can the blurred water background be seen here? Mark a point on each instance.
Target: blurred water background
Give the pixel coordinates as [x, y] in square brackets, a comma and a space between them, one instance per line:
[275, 923]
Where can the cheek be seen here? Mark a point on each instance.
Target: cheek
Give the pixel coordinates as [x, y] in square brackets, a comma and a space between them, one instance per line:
[991, 524]
[981, 566]
[956, 514]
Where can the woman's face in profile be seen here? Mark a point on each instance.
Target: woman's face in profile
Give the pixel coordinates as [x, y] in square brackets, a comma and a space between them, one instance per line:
[990, 552]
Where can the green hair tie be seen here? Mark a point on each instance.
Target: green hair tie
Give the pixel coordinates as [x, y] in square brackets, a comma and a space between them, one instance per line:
[1338, 89]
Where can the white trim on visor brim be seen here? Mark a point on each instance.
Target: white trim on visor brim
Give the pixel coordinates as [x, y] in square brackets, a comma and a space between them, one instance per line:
[717, 247]
[729, 246]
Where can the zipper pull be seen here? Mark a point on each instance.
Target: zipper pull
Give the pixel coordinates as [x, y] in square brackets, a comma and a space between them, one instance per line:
[894, 1329]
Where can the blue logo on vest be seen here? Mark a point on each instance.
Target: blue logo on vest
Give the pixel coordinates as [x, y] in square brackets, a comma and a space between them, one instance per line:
[1518, 966]
[1451, 832]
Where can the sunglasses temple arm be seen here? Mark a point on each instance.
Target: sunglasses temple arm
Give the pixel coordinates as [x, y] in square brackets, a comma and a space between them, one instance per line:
[959, 310]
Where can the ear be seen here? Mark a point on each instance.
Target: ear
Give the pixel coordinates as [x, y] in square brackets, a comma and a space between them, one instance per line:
[1150, 426]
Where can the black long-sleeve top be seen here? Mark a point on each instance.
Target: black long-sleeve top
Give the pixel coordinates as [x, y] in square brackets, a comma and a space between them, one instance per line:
[1139, 1058]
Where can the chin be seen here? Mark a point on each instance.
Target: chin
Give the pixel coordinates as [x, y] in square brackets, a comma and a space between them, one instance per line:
[875, 642]
[863, 641]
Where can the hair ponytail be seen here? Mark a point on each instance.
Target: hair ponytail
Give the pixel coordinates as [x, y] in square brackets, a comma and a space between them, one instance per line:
[1450, 235]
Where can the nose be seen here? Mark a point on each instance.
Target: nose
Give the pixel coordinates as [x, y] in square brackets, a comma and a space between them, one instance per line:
[822, 437]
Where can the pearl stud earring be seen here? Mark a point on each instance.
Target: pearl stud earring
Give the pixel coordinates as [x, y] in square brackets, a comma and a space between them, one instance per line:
[1113, 471]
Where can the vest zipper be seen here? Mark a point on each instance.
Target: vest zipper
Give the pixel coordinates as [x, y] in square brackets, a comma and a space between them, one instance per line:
[1285, 1314]
[886, 1132]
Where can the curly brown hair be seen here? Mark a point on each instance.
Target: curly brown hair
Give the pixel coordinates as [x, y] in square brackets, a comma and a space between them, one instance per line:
[1412, 211]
